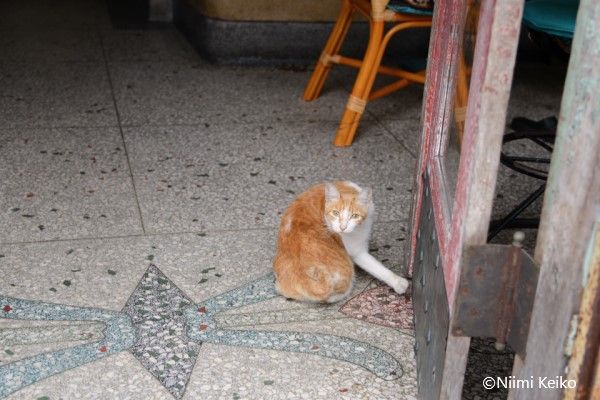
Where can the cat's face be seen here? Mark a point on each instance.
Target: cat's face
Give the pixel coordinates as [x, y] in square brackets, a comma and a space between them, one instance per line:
[346, 206]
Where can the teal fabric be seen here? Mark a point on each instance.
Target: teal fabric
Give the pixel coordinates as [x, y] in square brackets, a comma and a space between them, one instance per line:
[402, 8]
[554, 17]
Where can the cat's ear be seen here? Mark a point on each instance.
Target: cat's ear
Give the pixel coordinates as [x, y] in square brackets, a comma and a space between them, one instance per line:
[365, 196]
[331, 192]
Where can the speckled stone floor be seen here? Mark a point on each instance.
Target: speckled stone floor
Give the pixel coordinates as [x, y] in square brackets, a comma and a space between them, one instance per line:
[141, 192]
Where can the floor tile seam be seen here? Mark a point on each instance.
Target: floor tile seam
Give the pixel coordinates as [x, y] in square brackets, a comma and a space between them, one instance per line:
[189, 53]
[175, 60]
[150, 234]
[118, 116]
[233, 124]
[179, 124]
[384, 119]
[198, 64]
[40, 59]
[395, 138]
[208, 66]
[215, 65]
[267, 120]
[415, 118]
[147, 26]
[43, 29]
[137, 235]
[262, 121]
[49, 127]
[91, 32]
[192, 61]
[49, 62]
[381, 125]
[183, 232]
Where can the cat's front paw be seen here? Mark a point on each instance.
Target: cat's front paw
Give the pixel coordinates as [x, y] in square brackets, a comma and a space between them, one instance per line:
[400, 285]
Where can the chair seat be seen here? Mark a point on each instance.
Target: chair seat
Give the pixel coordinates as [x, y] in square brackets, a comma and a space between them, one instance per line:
[554, 17]
[402, 8]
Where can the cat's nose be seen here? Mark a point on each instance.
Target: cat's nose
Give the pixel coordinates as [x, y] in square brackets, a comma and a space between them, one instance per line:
[343, 227]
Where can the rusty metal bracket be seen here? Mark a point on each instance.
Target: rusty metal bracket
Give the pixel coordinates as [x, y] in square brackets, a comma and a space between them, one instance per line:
[496, 293]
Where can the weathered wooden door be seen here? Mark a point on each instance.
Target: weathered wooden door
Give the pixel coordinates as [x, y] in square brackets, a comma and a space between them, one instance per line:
[471, 61]
[565, 322]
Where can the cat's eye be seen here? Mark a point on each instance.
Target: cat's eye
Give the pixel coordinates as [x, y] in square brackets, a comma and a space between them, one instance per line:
[355, 216]
[335, 212]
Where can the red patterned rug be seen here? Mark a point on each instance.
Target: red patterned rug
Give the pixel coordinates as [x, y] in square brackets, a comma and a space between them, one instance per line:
[382, 306]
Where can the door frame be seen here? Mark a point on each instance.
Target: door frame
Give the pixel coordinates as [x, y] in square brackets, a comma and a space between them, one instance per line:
[571, 208]
[466, 222]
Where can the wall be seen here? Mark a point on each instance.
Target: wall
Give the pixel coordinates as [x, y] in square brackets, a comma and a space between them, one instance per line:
[269, 10]
[277, 32]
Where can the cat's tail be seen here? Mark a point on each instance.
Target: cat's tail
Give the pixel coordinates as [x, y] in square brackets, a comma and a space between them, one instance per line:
[317, 283]
[332, 284]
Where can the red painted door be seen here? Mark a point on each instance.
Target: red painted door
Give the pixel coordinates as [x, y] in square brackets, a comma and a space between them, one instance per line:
[471, 60]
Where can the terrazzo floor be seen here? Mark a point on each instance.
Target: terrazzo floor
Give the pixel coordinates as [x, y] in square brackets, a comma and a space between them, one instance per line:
[141, 193]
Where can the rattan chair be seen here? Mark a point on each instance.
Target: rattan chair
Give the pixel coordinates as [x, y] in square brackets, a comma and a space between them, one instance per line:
[385, 19]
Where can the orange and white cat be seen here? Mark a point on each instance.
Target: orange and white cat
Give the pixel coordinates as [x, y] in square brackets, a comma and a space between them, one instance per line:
[323, 232]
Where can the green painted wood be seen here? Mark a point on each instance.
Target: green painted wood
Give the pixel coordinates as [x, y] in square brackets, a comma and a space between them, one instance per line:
[571, 205]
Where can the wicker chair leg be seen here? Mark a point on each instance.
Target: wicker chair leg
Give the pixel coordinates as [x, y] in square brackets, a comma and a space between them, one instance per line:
[362, 87]
[332, 47]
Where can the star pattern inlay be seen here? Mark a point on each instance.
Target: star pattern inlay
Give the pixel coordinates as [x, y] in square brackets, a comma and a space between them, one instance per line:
[156, 309]
[163, 328]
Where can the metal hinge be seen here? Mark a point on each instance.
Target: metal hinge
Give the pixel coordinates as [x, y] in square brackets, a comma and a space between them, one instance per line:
[496, 293]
